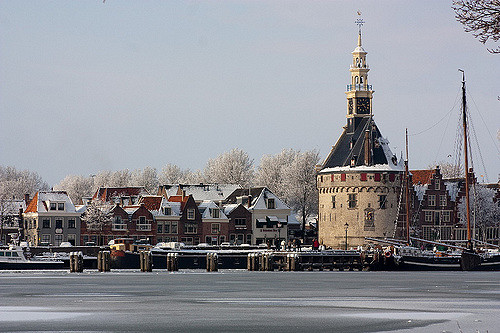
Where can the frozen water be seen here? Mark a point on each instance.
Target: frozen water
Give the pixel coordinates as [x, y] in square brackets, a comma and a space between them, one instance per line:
[241, 301]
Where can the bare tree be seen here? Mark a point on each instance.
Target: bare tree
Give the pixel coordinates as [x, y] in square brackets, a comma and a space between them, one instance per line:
[96, 217]
[172, 174]
[299, 184]
[148, 178]
[232, 167]
[481, 18]
[448, 170]
[485, 212]
[270, 171]
[77, 187]
[15, 183]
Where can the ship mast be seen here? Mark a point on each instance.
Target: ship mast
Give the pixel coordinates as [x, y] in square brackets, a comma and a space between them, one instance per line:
[407, 193]
[466, 163]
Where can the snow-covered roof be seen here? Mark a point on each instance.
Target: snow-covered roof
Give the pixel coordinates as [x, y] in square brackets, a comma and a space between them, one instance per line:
[205, 208]
[175, 208]
[261, 201]
[42, 200]
[228, 209]
[453, 188]
[420, 191]
[201, 192]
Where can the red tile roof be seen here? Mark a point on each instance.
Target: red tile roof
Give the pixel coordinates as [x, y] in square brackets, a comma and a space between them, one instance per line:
[151, 202]
[179, 198]
[33, 205]
[106, 193]
[422, 176]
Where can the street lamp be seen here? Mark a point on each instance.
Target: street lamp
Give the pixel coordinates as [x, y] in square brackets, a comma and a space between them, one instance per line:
[346, 226]
[279, 236]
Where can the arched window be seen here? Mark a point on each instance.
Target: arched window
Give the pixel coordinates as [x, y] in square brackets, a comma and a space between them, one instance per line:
[361, 80]
[356, 80]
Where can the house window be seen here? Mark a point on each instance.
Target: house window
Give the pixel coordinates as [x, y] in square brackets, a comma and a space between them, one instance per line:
[72, 239]
[382, 201]
[214, 212]
[53, 206]
[167, 210]
[118, 224]
[446, 216]
[249, 239]
[71, 224]
[428, 216]
[173, 228]
[431, 200]
[190, 228]
[58, 240]
[160, 228]
[45, 223]
[437, 184]
[353, 201]
[363, 177]
[333, 201]
[59, 224]
[187, 240]
[240, 222]
[270, 204]
[46, 238]
[143, 225]
[377, 177]
[343, 177]
[60, 206]
[442, 200]
[215, 228]
[190, 214]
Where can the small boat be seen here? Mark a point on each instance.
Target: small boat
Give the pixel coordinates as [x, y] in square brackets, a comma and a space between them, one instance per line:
[15, 258]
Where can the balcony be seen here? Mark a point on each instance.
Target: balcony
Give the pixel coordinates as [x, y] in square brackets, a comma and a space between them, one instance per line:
[144, 227]
[359, 87]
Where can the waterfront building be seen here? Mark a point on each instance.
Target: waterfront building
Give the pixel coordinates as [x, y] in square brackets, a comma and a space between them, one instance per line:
[360, 180]
[51, 218]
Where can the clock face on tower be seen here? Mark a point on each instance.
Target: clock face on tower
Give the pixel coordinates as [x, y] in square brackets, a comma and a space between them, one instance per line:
[362, 105]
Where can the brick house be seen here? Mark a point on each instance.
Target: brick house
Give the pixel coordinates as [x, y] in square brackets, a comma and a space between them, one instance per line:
[135, 222]
[240, 224]
[166, 214]
[215, 224]
[190, 221]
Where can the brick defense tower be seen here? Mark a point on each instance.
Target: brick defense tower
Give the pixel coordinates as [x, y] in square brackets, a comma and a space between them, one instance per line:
[360, 181]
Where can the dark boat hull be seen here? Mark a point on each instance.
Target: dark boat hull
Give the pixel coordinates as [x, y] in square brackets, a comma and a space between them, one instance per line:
[414, 263]
[27, 265]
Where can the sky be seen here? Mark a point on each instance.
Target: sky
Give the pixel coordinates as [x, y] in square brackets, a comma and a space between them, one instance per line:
[87, 86]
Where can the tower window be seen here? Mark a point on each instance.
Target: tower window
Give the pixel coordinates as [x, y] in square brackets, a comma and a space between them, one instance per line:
[352, 201]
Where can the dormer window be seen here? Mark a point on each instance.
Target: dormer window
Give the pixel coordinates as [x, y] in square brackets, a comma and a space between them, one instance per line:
[270, 204]
[60, 206]
[53, 206]
[167, 210]
[214, 212]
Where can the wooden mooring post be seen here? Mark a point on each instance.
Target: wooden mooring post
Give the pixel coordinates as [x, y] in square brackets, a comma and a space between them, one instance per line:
[103, 261]
[146, 261]
[172, 262]
[212, 262]
[76, 262]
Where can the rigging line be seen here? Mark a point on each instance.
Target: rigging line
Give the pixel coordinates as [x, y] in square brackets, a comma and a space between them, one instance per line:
[484, 123]
[478, 148]
[440, 120]
[442, 138]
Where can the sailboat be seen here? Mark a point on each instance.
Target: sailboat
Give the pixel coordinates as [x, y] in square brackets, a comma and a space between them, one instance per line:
[408, 257]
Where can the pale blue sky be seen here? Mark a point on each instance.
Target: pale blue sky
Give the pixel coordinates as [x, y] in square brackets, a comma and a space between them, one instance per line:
[87, 86]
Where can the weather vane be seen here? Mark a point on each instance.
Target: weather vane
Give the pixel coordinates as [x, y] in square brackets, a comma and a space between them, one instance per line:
[359, 21]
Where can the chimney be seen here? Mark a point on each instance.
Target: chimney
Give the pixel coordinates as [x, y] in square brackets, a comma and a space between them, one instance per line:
[27, 198]
[249, 200]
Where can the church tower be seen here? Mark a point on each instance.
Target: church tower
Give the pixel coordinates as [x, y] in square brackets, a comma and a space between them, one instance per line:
[360, 180]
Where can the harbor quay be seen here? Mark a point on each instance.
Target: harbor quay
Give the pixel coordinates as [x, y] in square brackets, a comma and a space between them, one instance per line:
[245, 301]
